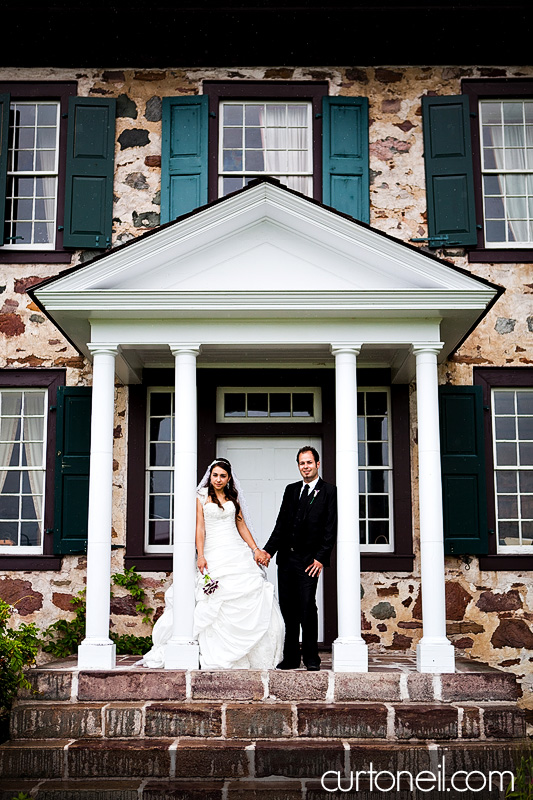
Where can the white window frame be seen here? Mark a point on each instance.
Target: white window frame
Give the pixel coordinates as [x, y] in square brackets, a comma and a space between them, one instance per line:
[309, 173]
[502, 549]
[314, 390]
[389, 547]
[28, 549]
[54, 173]
[503, 172]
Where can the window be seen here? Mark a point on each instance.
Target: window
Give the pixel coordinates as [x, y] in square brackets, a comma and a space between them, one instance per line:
[507, 165]
[27, 467]
[32, 175]
[22, 468]
[508, 401]
[512, 412]
[265, 138]
[375, 470]
[159, 471]
[502, 154]
[33, 167]
[239, 404]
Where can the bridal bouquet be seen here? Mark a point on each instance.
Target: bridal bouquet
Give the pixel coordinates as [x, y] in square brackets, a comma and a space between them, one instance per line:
[210, 585]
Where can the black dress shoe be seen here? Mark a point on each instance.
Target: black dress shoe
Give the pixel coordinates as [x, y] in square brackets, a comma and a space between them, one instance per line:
[313, 667]
[287, 665]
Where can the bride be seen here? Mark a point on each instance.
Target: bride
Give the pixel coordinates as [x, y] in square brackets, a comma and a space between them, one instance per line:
[237, 620]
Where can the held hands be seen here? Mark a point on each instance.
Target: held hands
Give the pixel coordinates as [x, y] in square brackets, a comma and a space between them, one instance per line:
[201, 563]
[314, 569]
[262, 557]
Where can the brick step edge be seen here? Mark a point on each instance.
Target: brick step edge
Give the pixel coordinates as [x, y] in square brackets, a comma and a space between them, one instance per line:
[156, 684]
[193, 759]
[229, 721]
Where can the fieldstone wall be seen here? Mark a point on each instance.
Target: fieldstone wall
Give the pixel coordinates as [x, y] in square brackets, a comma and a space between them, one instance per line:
[489, 613]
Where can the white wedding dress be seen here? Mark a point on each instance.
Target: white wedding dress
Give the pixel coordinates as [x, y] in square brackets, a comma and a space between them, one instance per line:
[239, 625]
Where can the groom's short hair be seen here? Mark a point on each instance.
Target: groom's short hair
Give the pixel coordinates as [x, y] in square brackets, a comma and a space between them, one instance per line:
[307, 449]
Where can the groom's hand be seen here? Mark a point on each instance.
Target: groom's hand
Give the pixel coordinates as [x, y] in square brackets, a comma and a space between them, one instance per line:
[262, 557]
[314, 569]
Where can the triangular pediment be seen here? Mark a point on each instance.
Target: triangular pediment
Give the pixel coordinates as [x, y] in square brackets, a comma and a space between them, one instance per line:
[264, 238]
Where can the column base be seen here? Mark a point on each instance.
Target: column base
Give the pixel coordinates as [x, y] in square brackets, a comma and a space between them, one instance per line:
[435, 657]
[350, 655]
[97, 656]
[182, 656]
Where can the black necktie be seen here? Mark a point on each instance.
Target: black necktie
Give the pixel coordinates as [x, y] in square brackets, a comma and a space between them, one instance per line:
[303, 497]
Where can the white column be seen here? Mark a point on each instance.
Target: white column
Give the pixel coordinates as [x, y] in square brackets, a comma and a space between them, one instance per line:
[434, 652]
[350, 651]
[182, 652]
[97, 651]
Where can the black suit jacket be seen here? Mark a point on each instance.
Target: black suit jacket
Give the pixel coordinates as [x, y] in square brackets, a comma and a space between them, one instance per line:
[318, 530]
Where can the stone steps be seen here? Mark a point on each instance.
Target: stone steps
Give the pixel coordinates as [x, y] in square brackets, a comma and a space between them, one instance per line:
[267, 720]
[136, 734]
[217, 770]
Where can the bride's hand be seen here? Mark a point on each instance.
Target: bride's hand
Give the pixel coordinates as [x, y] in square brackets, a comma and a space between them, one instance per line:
[262, 557]
[201, 563]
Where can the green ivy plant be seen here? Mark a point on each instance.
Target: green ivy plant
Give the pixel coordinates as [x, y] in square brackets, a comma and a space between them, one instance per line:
[22, 796]
[18, 649]
[66, 635]
[523, 781]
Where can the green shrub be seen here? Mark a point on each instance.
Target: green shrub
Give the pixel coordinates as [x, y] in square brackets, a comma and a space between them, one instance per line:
[66, 635]
[18, 648]
[523, 781]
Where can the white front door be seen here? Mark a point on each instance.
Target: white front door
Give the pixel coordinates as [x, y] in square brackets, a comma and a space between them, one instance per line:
[264, 466]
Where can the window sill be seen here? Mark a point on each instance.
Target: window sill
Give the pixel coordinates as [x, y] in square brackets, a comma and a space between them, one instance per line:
[33, 563]
[35, 256]
[388, 562]
[512, 563]
[504, 256]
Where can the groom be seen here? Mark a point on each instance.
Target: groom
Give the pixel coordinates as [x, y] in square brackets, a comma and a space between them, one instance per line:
[303, 538]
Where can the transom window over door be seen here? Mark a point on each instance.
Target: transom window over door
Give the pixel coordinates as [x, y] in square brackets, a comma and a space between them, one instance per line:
[513, 468]
[32, 175]
[506, 129]
[265, 138]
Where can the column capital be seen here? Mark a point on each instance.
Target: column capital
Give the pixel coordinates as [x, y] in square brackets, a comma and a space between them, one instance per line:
[353, 348]
[97, 348]
[177, 348]
[433, 348]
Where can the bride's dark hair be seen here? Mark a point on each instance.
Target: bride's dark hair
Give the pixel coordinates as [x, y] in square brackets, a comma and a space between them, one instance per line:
[229, 490]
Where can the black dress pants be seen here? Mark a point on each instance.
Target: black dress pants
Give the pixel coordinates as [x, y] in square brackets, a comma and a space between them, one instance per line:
[297, 591]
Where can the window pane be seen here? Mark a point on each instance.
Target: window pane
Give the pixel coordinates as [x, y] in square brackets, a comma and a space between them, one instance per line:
[232, 160]
[507, 507]
[495, 231]
[232, 137]
[233, 114]
[160, 481]
[10, 507]
[525, 427]
[161, 430]
[505, 428]
[525, 450]
[505, 454]
[8, 533]
[526, 481]
[378, 481]
[303, 404]
[235, 404]
[504, 402]
[526, 507]
[161, 455]
[527, 533]
[376, 403]
[378, 506]
[491, 113]
[513, 112]
[159, 532]
[11, 483]
[378, 454]
[254, 160]
[280, 404]
[231, 185]
[253, 137]
[378, 532]
[160, 404]
[506, 481]
[377, 428]
[159, 507]
[524, 402]
[508, 533]
[257, 404]
[254, 115]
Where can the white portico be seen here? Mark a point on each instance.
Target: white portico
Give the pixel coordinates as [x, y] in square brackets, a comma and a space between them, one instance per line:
[266, 276]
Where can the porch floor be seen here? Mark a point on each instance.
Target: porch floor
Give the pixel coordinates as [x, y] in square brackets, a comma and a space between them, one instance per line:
[377, 662]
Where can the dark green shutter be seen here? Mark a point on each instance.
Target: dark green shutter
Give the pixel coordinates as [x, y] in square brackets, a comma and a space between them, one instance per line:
[4, 135]
[89, 172]
[184, 155]
[346, 177]
[72, 469]
[449, 171]
[463, 470]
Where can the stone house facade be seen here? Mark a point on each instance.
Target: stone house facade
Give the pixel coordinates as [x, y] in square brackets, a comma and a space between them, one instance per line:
[438, 161]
